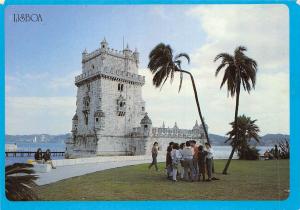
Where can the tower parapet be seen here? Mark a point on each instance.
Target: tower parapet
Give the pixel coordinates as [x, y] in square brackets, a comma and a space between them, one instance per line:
[104, 49]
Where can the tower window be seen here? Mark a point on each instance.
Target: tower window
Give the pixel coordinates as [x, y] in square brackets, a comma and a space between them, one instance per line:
[143, 108]
[120, 87]
[93, 66]
[86, 118]
[97, 119]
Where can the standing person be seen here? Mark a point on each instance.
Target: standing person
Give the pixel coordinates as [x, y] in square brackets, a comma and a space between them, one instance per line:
[188, 162]
[181, 165]
[47, 158]
[195, 159]
[176, 157]
[169, 161]
[201, 162]
[209, 158]
[38, 156]
[154, 153]
[276, 152]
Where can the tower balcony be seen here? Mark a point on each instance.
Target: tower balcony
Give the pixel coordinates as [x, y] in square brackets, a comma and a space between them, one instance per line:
[112, 74]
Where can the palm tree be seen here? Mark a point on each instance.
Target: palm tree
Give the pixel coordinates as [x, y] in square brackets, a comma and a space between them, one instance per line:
[246, 130]
[238, 69]
[163, 65]
[19, 182]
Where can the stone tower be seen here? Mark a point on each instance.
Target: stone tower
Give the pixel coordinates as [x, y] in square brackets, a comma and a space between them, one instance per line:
[109, 102]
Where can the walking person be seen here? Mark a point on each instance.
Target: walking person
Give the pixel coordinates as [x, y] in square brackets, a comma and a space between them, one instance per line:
[154, 153]
[176, 157]
[209, 158]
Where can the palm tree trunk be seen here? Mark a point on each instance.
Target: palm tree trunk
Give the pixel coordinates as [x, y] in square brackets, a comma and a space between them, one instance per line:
[198, 105]
[237, 100]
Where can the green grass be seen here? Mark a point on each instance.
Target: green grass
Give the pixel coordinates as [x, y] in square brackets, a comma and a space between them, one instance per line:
[247, 180]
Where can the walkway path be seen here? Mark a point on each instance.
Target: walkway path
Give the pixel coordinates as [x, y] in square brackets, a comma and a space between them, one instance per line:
[68, 171]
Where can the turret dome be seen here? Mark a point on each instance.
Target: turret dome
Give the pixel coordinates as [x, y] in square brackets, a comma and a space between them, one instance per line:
[146, 120]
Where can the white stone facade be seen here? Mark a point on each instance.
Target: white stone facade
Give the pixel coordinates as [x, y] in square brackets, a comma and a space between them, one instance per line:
[110, 116]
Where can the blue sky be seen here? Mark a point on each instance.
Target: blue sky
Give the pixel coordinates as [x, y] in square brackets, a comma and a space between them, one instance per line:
[43, 58]
[55, 45]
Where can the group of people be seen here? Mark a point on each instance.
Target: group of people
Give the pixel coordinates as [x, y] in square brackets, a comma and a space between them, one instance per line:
[189, 161]
[43, 158]
[274, 153]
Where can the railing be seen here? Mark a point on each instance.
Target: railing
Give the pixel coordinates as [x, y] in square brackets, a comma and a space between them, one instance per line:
[30, 153]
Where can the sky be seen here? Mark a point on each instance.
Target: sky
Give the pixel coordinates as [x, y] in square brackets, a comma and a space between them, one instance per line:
[43, 58]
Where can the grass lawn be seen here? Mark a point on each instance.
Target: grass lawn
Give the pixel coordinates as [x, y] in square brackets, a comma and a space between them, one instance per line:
[247, 180]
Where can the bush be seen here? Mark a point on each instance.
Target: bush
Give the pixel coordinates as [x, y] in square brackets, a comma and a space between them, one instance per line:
[248, 153]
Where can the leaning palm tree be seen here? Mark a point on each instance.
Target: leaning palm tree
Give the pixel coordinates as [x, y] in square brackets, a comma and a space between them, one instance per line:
[246, 130]
[19, 182]
[163, 65]
[238, 69]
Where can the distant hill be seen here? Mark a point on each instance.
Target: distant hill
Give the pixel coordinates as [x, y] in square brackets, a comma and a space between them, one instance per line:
[40, 138]
[266, 140]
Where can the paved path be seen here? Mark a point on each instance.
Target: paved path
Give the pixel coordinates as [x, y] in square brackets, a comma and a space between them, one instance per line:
[65, 172]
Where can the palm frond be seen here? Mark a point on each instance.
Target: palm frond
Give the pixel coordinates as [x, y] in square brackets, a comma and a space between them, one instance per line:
[19, 182]
[185, 55]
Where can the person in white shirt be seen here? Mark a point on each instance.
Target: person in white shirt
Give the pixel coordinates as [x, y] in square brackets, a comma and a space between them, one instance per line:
[181, 165]
[187, 154]
[176, 157]
[209, 158]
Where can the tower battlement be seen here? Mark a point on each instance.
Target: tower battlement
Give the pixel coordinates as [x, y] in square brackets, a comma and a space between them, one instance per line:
[104, 50]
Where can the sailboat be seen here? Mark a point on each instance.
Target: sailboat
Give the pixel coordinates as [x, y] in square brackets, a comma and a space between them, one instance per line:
[34, 140]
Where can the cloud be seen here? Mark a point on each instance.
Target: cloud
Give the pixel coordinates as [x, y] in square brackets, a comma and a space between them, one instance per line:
[264, 30]
[27, 115]
[66, 81]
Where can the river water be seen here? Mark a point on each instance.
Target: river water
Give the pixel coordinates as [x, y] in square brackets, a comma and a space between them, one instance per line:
[220, 152]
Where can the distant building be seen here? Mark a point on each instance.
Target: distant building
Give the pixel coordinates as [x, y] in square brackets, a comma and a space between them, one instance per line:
[11, 147]
[110, 116]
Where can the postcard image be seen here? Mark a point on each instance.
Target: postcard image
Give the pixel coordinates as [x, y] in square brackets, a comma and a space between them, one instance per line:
[147, 102]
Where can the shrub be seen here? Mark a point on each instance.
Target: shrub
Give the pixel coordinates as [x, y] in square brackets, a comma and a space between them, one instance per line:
[248, 153]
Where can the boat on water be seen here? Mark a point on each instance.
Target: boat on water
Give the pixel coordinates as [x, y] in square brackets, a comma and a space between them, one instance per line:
[34, 140]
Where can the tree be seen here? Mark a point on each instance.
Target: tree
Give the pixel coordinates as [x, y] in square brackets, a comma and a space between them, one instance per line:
[19, 182]
[238, 69]
[163, 65]
[285, 149]
[246, 130]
